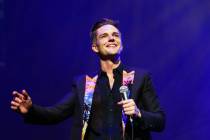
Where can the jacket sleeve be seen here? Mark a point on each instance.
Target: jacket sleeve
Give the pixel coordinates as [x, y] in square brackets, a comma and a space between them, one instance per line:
[152, 115]
[53, 114]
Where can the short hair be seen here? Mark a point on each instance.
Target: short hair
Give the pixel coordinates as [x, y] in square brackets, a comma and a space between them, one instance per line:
[100, 23]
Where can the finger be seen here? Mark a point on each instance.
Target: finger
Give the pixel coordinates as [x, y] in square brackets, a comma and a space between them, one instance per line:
[120, 103]
[128, 101]
[17, 94]
[123, 102]
[129, 109]
[14, 107]
[129, 104]
[15, 104]
[18, 100]
[25, 94]
[129, 112]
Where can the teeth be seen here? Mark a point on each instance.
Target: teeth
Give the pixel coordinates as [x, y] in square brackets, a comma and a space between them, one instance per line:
[111, 45]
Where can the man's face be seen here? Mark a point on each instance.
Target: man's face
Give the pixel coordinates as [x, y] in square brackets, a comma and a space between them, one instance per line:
[108, 41]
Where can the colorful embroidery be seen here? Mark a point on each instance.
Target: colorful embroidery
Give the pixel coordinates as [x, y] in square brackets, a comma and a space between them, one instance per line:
[128, 79]
[90, 84]
[88, 97]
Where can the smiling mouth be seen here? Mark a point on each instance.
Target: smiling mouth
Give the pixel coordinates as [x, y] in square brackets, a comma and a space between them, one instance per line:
[112, 45]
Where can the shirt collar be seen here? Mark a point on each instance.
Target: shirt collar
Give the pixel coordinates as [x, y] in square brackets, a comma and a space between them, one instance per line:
[117, 70]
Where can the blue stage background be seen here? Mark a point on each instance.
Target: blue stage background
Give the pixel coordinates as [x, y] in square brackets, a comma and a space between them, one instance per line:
[47, 43]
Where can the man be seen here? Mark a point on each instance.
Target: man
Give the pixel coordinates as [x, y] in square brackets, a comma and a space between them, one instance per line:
[96, 104]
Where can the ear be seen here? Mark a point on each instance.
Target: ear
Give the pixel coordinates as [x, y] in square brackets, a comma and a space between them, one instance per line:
[94, 48]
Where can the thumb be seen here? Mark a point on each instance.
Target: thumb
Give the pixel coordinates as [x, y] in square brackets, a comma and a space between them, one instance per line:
[120, 102]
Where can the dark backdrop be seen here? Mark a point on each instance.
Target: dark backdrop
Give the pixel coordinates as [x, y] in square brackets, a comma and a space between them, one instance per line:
[45, 43]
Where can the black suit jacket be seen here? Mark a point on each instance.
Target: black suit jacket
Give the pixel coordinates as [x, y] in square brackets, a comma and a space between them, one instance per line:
[143, 93]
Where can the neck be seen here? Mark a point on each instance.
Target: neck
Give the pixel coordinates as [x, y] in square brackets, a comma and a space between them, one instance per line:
[108, 65]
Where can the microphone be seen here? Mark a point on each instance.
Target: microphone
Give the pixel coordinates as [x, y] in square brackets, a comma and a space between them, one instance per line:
[125, 92]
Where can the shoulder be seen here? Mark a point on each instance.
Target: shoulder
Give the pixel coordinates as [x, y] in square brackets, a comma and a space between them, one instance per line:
[81, 78]
[139, 72]
[78, 79]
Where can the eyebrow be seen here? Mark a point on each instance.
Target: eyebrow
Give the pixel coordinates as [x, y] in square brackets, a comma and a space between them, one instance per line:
[114, 33]
[102, 34]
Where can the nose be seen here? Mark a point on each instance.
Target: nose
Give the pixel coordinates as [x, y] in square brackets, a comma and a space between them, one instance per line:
[111, 38]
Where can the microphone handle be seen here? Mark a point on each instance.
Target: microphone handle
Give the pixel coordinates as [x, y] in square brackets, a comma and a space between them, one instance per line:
[131, 119]
[125, 97]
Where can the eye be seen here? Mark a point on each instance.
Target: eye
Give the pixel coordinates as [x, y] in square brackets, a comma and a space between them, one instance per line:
[103, 36]
[116, 35]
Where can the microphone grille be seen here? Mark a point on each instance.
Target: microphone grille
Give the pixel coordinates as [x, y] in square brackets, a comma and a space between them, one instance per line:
[124, 89]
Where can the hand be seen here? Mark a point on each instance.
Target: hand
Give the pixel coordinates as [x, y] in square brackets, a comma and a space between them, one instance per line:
[21, 102]
[130, 108]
